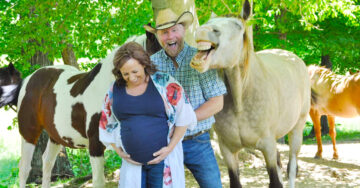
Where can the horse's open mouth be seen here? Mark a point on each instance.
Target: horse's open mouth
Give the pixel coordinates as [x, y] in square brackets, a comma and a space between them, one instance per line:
[205, 50]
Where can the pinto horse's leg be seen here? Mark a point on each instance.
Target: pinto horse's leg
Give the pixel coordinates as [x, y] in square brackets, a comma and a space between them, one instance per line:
[315, 117]
[295, 140]
[332, 133]
[96, 150]
[231, 161]
[49, 157]
[27, 151]
[97, 165]
[268, 147]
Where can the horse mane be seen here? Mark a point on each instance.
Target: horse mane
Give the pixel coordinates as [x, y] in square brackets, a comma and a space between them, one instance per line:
[246, 51]
[335, 81]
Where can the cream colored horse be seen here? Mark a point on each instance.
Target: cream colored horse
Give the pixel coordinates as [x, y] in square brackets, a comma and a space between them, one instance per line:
[268, 95]
[332, 95]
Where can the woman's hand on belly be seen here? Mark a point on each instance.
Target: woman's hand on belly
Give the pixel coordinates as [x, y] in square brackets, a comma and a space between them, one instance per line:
[124, 155]
[160, 155]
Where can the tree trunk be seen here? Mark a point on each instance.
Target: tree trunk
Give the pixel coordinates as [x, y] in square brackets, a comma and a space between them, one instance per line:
[40, 59]
[325, 61]
[280, 20]
[62, 167]
[179, 6]
[68, 56]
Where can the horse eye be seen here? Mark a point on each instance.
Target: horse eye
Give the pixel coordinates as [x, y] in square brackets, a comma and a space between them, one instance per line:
[217, 32]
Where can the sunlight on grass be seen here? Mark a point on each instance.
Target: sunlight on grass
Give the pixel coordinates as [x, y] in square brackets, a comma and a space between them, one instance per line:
[347, 129]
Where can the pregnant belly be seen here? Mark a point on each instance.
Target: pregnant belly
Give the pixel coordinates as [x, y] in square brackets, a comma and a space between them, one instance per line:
[141, 140]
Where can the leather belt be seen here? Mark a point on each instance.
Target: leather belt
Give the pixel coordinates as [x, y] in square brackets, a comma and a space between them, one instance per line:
[190, 137]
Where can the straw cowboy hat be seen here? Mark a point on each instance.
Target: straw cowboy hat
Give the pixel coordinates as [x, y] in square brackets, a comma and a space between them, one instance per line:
[167, 18]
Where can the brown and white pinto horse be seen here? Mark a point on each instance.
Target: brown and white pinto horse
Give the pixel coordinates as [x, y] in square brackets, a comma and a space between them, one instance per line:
[332, 95]
[268, 95]
[66, 103]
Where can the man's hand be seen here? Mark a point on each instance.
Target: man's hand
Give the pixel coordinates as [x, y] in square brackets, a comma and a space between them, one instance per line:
[160, 155]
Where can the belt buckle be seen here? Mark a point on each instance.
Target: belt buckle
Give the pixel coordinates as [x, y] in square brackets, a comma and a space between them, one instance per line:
[190, 137]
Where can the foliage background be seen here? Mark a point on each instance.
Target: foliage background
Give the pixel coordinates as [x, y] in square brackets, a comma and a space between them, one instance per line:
[310, 29]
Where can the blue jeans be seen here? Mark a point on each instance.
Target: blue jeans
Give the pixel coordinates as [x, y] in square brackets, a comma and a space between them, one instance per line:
[152, 175]
[200, 159]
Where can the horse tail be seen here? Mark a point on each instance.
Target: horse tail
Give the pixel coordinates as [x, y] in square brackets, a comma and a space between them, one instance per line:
[9, 94]
[314, 97]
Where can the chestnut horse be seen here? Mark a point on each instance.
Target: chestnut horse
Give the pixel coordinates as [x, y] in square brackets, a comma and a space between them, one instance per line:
[66, 103]
[268, 95]
[332, 95]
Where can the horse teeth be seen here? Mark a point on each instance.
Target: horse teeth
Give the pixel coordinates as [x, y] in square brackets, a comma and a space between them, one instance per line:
[203, 45]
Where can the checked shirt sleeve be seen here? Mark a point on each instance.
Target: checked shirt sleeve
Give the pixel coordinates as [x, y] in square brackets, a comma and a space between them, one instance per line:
[211, 84]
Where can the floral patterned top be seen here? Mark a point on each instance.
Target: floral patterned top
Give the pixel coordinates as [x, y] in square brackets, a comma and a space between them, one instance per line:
[179, 112]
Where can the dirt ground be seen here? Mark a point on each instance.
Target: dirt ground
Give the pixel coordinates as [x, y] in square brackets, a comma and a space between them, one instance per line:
[313, 173]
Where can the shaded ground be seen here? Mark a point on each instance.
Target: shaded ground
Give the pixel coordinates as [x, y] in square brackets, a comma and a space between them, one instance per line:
[325, 172]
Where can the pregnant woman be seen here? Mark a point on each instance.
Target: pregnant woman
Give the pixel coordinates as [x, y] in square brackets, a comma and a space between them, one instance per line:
[144, 118]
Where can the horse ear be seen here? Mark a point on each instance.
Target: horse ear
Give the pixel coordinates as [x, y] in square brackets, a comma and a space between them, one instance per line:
[213, 15]
[245, 13]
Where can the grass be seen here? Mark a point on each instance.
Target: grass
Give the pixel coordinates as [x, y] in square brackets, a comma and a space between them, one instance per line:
[343, 133]
[346, 130]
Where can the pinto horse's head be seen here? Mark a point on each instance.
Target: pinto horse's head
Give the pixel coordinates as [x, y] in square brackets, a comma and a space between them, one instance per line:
[10, 81]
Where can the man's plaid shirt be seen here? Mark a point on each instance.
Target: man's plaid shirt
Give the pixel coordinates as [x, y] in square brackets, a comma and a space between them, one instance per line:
[198, 86]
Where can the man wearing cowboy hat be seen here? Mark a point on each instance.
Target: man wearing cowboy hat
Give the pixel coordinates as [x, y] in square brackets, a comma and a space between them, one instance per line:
[205, 91]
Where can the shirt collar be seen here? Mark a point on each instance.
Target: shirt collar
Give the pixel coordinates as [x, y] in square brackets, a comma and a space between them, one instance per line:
[180, 57]
[182, 54]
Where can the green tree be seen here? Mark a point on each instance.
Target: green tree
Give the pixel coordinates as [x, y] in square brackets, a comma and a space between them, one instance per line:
[34, 33]
[89, 28]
